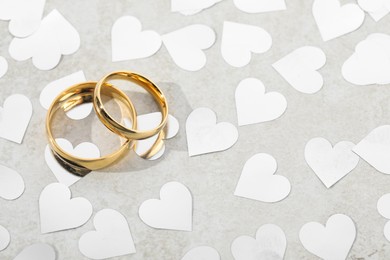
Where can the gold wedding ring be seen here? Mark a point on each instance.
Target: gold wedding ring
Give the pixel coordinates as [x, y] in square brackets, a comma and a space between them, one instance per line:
[118, 128]
[72, 97]
[91, 92]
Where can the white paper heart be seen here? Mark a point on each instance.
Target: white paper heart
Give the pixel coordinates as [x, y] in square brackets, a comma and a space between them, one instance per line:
[386, 230]
[186, 46]
[15, 116]
[55, 87]
[149, 121]
[11, 183]
[58, 211]
[376, 8]
[258, 181]
[54, 38]
[172, 211]
[270, 243]
[254, 105]
[383, 206]
[204, 135]
[375, 148]
[202, 253]
[260, 6]
[190, 7]
[83, 150]
[332, 242]
[240, 40]
[24, 15]
[111, 238]
[299, 69]
[370, 63]
[129, 42]
[3, 66]
[334, 20]
[5, 238]
[329, 163]
[37, 252]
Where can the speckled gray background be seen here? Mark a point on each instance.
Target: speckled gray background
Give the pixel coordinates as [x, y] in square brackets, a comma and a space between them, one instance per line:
[340, 111]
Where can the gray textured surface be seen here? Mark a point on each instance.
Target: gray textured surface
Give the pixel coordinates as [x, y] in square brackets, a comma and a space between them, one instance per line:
[340, 111]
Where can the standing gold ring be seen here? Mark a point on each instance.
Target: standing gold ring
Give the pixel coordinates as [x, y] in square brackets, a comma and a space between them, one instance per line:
[77, 95]
[120, 129]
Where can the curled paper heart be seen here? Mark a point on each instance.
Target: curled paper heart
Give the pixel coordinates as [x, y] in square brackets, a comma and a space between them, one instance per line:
[334, 20]
[111, 238]
[329, 163]
[5, 238]
[270, 243]
[204, 135]
[11, 183]
[24, 15]
[299, 69]
[202, 253]
[15, 116]
[240, 40]
[172, 211]
[260, 6]
[54, 38]
[186, 46]
[129, 42]
[58, 211]
[254, 105]
[259, 182]
[330, 242]
[37, 251]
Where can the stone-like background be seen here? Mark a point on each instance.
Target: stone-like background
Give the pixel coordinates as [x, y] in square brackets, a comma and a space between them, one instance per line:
[340, 111]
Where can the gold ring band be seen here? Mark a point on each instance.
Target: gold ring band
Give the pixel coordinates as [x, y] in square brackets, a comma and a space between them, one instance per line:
[72, 97]
[120, 129]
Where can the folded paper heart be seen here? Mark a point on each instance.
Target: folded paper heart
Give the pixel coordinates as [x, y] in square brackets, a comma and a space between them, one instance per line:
[37, 251]
[11, 183]
[270, 243]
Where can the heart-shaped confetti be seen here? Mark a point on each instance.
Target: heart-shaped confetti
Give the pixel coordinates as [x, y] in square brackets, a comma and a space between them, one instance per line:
[149, 121]
[260, 6]
[58, 211]
[129, 42]
[172, 211]
[202, 253]
[190, 7]
[240, 40]
[254, 105]
[383, 207]
[329, 163]
[334, 20]
[204, 135]
[375, 148]
[15, 116]
[186, 46]
[334, 241]
[5, 238]
[370, 63]
[111, 238]
[83, 150]
[54, 38]
[299, 69]
[376, 8]
[3, 66]
[259, 182]
[270, 243]
[24, 15]
[11, 183]
[50, 92]
[37, 252]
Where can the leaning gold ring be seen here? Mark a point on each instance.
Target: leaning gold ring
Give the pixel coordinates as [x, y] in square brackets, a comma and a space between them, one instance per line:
[120, 129]
[77, 95]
